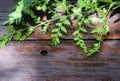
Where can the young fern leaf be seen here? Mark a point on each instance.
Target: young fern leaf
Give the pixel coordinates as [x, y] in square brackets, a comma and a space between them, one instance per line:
[63, 29]
[45, 27]
[57, 33]
[27, 33]
[5, 39]
[79, 39]
[96, 30]
[15, 16]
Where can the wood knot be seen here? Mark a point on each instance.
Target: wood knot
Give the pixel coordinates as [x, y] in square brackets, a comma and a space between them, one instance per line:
[44, 52]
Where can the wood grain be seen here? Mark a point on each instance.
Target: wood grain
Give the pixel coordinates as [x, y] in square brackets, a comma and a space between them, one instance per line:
[6, 5]
[22, 61]
[35, 60]
[113, 34]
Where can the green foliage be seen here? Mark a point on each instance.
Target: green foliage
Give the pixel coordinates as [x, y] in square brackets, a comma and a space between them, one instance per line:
[5, 39]
[62, 13]
[16, 16]
[45, 27]
[57, 33]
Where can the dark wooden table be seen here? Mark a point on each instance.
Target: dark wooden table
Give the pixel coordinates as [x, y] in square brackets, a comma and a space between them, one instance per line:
[35, 60]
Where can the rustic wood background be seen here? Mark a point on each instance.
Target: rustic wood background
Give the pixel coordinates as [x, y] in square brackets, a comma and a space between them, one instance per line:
[35, 60]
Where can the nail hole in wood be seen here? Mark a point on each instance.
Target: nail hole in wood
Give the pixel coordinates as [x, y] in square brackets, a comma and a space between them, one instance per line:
[44, 52]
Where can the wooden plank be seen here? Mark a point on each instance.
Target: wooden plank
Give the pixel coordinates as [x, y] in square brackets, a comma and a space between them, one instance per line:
[36, 61]
[4, 16]
[6, 5]
[38, 35]
[113, 34]
[113, 21]
[23, 61]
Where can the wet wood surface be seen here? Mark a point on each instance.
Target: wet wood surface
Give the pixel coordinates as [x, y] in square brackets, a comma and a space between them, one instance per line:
[35, 60]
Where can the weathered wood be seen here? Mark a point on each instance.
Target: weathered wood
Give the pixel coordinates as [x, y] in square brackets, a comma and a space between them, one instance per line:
[39, 35]
[35, 60]
[113, 21]
[6, 6]
[22, 61]
[114, 34]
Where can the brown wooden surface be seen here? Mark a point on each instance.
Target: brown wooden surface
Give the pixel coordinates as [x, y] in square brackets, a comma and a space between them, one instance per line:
[22, 61]
[113, 21]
